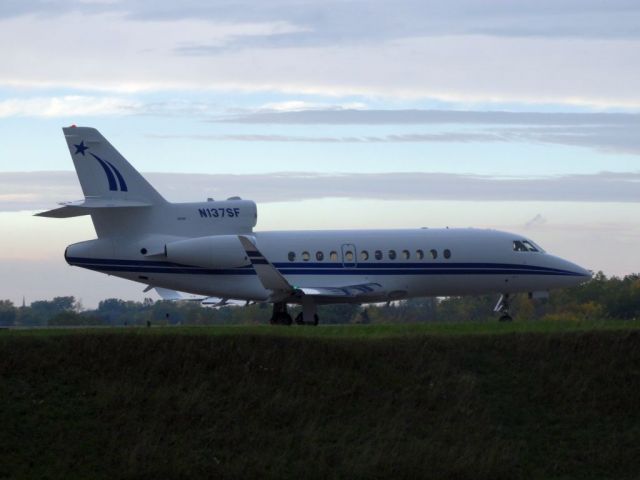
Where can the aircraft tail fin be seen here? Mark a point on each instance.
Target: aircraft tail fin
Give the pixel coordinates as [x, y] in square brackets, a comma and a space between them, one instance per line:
[103, 172]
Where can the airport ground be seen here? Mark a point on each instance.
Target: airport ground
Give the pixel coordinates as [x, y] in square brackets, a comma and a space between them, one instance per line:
[552, 400]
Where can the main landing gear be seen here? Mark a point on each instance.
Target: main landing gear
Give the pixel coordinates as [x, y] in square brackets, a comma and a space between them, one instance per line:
[300, 320]
[281, 316]
[503, 308]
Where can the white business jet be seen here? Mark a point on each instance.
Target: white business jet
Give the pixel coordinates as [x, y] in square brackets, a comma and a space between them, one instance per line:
[210, 249]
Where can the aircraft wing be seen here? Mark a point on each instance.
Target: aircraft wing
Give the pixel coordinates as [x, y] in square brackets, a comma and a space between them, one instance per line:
[281, 289]
[269, 275]
[175, 296]
[359, 293]
[345, 291]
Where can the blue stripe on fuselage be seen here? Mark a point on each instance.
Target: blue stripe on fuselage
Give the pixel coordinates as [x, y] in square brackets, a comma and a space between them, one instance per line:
[396, 268]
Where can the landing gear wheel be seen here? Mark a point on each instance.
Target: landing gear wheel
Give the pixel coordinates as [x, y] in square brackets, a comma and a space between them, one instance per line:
[280, 315]
[300, 320]
[506, 318]
[281, 318]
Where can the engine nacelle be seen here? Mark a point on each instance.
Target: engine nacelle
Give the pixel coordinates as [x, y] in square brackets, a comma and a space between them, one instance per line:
[216, 251]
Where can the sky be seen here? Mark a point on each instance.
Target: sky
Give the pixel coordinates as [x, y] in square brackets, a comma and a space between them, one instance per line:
[521, 116]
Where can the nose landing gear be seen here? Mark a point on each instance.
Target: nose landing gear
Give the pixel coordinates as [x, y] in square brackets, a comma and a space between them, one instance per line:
[502, 307]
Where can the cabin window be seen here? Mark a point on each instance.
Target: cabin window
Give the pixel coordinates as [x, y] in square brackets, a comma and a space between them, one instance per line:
[348, 256]
[333, 256]
[378, 254]
[447, 253]
[364, 255]
[305, 256]
[434, 253]
[405, 254]
[392, 254]
[292, 256]
[419, 254]
[319, 256]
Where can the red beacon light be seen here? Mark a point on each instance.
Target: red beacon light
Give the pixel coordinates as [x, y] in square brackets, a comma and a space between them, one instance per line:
[73, 125]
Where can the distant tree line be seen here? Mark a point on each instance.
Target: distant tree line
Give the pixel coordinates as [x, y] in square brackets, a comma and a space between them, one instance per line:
[601, 298]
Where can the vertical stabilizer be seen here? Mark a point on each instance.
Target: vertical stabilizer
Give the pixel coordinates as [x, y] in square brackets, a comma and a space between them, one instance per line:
[103, 172]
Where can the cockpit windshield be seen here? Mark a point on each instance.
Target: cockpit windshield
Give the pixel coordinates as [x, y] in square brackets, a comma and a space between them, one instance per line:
[525, 246]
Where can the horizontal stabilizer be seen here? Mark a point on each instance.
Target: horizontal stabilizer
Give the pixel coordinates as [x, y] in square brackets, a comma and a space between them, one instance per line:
[84, 207]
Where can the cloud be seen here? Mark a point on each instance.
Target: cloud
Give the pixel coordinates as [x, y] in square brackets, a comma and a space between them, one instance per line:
[606, 132]
[413, 137]
[347, 116]
[351, 21]
[305, 106]
[41, 190]
[68, 105]
[334, 48]
[36, 190]
[605, 138]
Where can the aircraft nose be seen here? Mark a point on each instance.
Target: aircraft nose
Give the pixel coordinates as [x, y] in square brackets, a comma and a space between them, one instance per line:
[578, 272]
[585, 273]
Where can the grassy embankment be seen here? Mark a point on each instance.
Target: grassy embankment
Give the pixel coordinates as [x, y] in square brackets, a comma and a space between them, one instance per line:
[439, 401]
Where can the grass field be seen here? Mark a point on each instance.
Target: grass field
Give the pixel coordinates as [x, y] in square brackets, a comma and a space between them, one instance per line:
[443, 401]
[347, 331]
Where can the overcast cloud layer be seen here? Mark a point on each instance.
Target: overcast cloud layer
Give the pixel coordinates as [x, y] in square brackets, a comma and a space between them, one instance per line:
[619, 140]
[42, 190]
[608, 132]
[566, 52]
[420, 117]
[332, 19]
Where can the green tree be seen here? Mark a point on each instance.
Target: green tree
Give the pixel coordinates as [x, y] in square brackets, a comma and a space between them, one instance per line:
[41, 311]
[8, 313]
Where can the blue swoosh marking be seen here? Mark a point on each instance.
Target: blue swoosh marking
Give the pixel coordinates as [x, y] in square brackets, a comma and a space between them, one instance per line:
[112, 180]
[123, 184]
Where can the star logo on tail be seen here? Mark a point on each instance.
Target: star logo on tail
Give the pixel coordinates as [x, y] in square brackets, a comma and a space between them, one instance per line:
[80, 148]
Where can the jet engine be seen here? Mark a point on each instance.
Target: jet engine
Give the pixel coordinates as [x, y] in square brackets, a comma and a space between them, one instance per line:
[216, 251]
